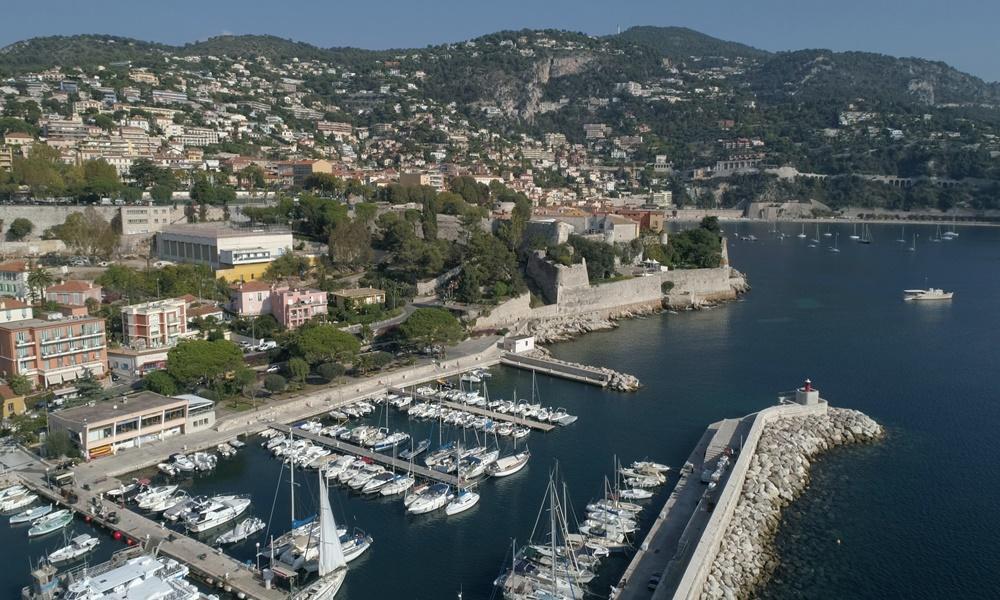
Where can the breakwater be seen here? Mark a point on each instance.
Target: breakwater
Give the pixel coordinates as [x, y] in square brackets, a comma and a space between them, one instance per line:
[777, 475]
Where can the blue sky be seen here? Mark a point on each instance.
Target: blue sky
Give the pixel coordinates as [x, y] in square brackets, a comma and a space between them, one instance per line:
[959, 32]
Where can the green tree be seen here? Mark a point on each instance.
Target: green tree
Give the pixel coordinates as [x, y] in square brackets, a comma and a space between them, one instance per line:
[350, 244]
[19, 384]
[19, 229]
[372, 361]
[299, 369]
[38, 280]
[160, 382]
[88, 386]
[330, 371]
[430, 326]
[201, 361]
[87, 232]
[161, 194]
[57, 443]
[321, 342]
[275, 383]
[287, 265]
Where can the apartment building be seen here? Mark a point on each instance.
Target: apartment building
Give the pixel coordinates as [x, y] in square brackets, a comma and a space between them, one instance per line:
[128, 422]
[74, 292]
[359, 297]
[137, 220]
[53, 351]
[431, 178]
[157, 324]
[12, 309]
[14, 279]
[168, 96]
[292, 307]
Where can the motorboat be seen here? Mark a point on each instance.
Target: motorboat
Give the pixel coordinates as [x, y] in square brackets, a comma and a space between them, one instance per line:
[225, 450]
[14, 490]
[417, 450]
[31, 515]
[366, 474]
[928, 294]
[415, 493]
[635, 494]
[180, 511]
[236, 444]
[649, 466]
[463, 501]
[183, 463]
[154, 495]
[508, 465]
[51, 522]
[168, 469]
[123, 490]
[242, 531]
[77, 547]
[169, 502]
[561, 417]
[16, 502]
[221, 510]
[376, 483]
[390, 441]
[398, 485]
[433, 498]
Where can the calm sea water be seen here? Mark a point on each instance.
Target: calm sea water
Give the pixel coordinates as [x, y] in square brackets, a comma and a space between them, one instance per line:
[912, 517]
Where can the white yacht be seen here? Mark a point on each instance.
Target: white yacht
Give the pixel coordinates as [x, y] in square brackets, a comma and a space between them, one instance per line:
[154, 495]
[221, 510]
[32, 514]
[433, 498]
[242, 531]
[928, 294]
[16, 502]
[463, 501]
[139, 577]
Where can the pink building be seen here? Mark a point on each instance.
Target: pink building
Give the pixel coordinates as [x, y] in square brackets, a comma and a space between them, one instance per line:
[291, 307]
[294, 307]
[250, 298]
[74, 292]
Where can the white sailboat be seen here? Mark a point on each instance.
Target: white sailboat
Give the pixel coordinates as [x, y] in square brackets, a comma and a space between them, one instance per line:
[913, 248]
[855, 236]
[332, 566]
[902, 235]
[835, 247]
[802, 235]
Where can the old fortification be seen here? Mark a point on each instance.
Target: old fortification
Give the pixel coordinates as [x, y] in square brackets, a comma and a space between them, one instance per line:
[575, 306]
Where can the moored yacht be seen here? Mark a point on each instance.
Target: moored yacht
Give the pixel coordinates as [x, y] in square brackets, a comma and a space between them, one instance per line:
[221, 510]
[77, 547]
[928, 294]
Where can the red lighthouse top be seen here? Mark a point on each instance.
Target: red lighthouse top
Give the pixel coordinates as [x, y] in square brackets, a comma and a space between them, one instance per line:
[808, 386]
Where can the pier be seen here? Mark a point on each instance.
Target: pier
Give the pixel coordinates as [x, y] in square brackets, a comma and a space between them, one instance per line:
[556, 368]
[383, 459]
[206, 563]
[476, 410]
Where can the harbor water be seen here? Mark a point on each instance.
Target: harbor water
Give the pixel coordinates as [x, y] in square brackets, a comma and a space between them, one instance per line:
[911, 517]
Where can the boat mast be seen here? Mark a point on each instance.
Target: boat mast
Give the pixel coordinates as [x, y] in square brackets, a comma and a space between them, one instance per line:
[291, 469]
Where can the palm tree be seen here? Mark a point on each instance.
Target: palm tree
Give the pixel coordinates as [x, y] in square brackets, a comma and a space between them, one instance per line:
[38, 280]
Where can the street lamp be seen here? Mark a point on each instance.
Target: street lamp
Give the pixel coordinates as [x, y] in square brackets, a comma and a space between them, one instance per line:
[258, 556]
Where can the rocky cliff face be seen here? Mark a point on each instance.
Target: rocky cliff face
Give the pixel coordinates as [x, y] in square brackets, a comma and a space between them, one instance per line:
[777, 475]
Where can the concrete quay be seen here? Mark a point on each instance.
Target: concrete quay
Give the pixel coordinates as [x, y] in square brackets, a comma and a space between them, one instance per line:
[556, 368]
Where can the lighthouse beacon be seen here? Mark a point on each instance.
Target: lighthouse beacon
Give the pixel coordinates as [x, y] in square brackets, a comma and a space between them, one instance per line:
[807, 395]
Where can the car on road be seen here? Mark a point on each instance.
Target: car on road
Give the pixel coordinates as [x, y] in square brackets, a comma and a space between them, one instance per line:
[162, 263]
[273, 368]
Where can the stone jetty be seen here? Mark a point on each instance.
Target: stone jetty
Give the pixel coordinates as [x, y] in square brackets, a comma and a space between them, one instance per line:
[617, 381]
[561, 329]
[777, 474]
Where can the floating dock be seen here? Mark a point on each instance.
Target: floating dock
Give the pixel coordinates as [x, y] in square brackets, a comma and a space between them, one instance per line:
[476, 410]
[556, 368]
[389, 461]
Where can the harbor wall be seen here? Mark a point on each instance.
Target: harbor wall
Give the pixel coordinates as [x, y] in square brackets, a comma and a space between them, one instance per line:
[703, 557]
[691, 287]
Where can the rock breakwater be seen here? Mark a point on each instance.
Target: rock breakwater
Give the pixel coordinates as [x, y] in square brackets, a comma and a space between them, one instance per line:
[566, 328]
[777, 474]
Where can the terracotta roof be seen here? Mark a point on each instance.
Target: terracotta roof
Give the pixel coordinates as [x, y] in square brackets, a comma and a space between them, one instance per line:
[72, 285]
[199, 311]
[11, 304]
[6, 393]
[188, 298]
[252, 286]
[14, 266]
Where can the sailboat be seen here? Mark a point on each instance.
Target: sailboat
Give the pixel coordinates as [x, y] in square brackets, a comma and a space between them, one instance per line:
[854, 235]
[951, 233]
[913, 248]
[834, 247]
[902, 235]
[815, 240]
[827, 233]
[866, 234]
[802, 235]
[937, 235]
[332, 566]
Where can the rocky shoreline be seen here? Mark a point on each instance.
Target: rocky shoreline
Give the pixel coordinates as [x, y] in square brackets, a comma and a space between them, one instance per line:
[778, 473]
[617, 381]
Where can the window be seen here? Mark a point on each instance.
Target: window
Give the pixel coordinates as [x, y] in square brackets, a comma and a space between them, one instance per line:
[150, 420]
[174, 414]
[126, 426]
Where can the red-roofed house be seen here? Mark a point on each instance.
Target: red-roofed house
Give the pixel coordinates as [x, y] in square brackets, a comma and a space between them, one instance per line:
[74, 292]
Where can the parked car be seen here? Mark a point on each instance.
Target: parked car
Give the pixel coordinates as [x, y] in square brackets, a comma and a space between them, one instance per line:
[273, 368]
[162, 263]
[267, 345]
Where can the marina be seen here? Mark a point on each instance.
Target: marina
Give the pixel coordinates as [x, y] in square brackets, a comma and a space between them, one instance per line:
[482, 412]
